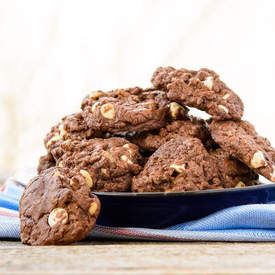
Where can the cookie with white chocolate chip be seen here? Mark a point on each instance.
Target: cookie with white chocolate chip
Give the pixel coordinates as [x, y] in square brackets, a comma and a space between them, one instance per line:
[71, 127]
[241, 140]
[229, 172]
[108, 165]
[57, 209]
[181, 164]
[125, 110]
[201, 89]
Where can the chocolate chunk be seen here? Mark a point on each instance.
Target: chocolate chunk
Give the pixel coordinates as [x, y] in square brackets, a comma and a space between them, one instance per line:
[241, 140]
[125, 110]
[201, 89]
[57, 209]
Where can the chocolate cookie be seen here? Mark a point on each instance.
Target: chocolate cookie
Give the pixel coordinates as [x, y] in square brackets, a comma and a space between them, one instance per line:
[152, 140]
[56, 209]
[72, 127]
[125, 110]
[45, 162]
[181, 164]
[230, 172]
[108, 165]
[241, 140]
[200, 89]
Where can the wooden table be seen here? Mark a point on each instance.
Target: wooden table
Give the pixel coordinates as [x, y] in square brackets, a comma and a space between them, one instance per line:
[139, 258]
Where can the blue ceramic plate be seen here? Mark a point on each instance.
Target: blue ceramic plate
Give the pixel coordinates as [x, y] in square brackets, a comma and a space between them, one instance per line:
[156, 210]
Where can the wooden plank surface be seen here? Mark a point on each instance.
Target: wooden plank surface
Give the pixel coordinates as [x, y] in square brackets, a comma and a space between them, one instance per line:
[139, 258]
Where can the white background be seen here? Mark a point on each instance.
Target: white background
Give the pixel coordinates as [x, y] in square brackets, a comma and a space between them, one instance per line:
[53, 52]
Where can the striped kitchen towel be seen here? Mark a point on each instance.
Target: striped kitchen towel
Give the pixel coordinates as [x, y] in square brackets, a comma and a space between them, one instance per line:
[254, 222]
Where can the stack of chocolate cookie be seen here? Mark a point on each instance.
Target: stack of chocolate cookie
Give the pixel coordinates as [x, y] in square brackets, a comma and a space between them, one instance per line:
[141, 140]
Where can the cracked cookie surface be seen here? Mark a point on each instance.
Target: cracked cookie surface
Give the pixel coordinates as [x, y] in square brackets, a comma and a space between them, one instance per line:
[71, 127]
[193, 127]
[241, 140]
[125, 110]
[201, 89]
[181, 164]
[229, 172]
[108, 164]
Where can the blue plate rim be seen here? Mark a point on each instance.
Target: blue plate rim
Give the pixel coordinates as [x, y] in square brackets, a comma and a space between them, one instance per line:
[185, 193]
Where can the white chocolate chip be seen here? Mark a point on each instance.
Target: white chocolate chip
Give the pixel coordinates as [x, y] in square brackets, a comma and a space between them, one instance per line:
[87, 177]
[272, 175]
[93, 208]
[96, 95]
[208, 82]
[125, 158]
[72, 181]
[57, 136]
[121, 93]
[109, 156]
[94, 106]
[128, 148]
[104, 171]
[147, 104]
[60, 164]
[174, 109]
[129, 161]
[57, 215]
[108, 111]
[67, 141]
[194, 79]
[240, 184]
[156, 180]
[57, 174]
[53, 140]
[62, 131]
[226, 96]
[178, 168]
[258, 160]
[223, 108]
